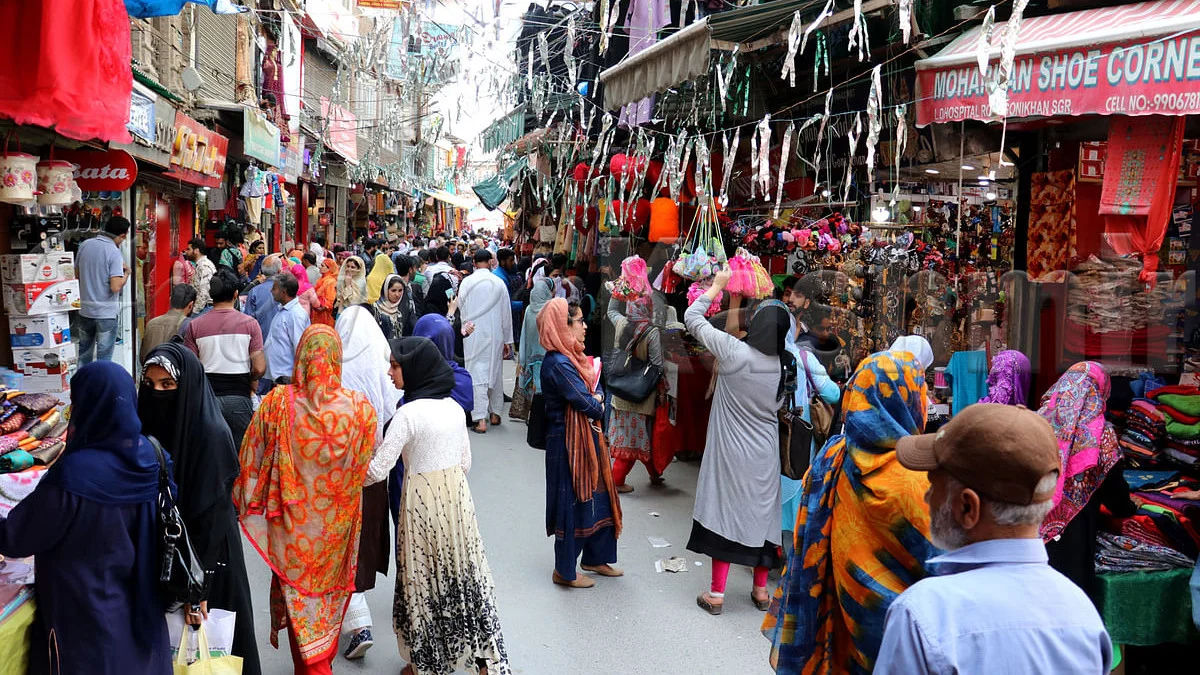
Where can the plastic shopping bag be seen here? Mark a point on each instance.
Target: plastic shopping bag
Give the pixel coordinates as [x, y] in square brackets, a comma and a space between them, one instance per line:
[219, 626]
[206, 664]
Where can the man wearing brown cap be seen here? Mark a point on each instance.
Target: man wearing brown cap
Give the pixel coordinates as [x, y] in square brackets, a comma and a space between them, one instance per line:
[996, 606]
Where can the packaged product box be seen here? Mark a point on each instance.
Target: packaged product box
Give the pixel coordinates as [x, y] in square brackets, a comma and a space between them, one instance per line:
[53, 360]
[46, 384]
[39, 331]
[30, 268]
[42, 298]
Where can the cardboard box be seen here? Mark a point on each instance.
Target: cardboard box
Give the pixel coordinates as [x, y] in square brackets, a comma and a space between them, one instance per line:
[37, 268]
[42, 298]
[46, 384]
[54, 360]
[39, 331]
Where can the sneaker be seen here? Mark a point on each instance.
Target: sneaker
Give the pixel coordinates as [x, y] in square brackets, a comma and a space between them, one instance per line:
[359, 644]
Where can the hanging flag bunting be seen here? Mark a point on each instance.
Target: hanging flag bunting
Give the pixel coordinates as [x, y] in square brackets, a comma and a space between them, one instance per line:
[874, 124]
[825, 14]
[904, 7]
[763, 171]
[858, 33]
[901, 144]
[789, 62]
[727, 163]
[851, 139]
[783, 160]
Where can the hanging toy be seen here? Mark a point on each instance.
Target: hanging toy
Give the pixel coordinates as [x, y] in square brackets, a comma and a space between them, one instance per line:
[699, 288]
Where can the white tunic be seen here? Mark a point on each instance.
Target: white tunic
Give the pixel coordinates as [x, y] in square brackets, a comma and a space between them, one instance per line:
[429, 434]
[483, 299]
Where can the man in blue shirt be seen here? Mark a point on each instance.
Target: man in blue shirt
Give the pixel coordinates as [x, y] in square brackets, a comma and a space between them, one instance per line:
[286, 328]
[506, 269]
[102, 275]
[996, 606]
[260, 300]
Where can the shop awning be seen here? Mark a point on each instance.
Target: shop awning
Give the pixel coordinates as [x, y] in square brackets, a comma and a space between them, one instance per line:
[453, 199]
[1139, 59]
[684, 55]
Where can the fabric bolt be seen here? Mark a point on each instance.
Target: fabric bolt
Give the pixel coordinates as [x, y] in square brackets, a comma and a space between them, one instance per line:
[1178, 416]
[970, 371]
[1008, 380]
[1087, 443]
[1051, 222]
[483, 300]
[304, 463]
[862, 534]
[1186, 404]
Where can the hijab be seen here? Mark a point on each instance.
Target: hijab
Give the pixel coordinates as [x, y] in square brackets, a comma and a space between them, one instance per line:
[425, 374]
[351, 283]
[301, 273]
[530, 347]
[437, 328]
[555, 336]
[1008, 380]
[380, 270]
[383, 304]
[189, 424]
[1087, 443]
[365, 363]
[917, 346]
[769, 327]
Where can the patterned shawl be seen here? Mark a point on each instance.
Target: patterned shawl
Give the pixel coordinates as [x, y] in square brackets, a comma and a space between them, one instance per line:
[304, 460]
[1008, 380]
[1087, 444]
[862, 532]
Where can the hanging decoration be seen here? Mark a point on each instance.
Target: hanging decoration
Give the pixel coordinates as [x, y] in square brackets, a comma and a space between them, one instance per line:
[858, 33]
[569, 52]
[724, 78]
[983, 47]
[680, 175]
[821, 132]
[762, 157]
[727, 162]
[821, 59]
[786, 151]
[901, 145]
[703, 173]
[544, 49]
[904, 7]
[789, 61]
[825, 14]
[852, 139]
[874, 123]
[998, 88]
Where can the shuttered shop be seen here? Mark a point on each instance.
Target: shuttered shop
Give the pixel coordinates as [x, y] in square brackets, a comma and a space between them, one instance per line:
[216, 53]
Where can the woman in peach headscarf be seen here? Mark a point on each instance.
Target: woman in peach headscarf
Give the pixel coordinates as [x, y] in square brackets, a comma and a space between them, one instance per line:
[583, 512]
[326, 290]
[304, 462]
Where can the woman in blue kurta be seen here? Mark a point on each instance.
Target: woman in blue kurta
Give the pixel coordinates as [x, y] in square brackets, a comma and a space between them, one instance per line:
[92, 525]
[583, 513]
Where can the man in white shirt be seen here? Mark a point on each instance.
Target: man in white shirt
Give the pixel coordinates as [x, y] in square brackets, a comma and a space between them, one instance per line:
[484, 305]
[205, 269]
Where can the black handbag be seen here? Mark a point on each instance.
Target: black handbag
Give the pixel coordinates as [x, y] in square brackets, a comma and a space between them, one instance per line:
[629, 377]
[795, 443]
[182, 578]
[535, 434]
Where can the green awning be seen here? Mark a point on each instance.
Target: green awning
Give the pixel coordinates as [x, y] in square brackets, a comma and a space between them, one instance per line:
[504, 130]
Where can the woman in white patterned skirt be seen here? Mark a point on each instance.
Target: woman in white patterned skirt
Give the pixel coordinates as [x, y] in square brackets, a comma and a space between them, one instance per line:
[445, 607]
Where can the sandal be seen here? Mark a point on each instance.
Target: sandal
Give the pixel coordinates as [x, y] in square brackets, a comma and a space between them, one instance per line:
[624, 488]
[762, 605]
[494, 420]
[709, 606]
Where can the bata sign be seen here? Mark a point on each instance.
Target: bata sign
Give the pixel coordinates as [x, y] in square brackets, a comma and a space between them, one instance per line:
[198, 153]
[1130, 78]
[101, 170]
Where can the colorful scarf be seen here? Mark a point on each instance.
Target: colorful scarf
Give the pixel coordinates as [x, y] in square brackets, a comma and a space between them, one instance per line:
[301, 273]
[304, 460]
[1008, 380]
[326, 289]
[1087, 444]
[862, 532]
[380, 271]
[351, 283]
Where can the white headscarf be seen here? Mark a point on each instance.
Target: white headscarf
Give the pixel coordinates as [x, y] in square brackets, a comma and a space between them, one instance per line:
[365, 363]
[917, 346]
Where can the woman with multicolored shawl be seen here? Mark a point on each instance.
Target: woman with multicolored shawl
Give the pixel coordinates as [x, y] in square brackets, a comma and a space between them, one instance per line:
[583, 512]
[862, 534]
[304, 463]
[1088, 450]
[1008, 380]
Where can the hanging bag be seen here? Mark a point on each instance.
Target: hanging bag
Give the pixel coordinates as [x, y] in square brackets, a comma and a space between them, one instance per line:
[797, 436]
[629, 377]
[206, 664]
[519, 410]
[181, 578]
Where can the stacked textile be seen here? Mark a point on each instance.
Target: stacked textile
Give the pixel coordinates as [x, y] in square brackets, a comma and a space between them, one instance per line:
[1117, 553]
[1162, 518]
[1180, 408]
[1108, 296]
[1145, 431]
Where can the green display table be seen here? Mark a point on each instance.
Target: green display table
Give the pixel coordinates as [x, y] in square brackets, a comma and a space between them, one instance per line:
[1147, 608]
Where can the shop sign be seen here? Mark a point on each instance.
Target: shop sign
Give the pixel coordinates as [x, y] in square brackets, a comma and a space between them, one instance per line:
[343, 130]
[291, 159]
[197, 154]
[260, 137]
[141, 114]
[1127, 78]
[111, 170]
[380, 4]
[157, 149]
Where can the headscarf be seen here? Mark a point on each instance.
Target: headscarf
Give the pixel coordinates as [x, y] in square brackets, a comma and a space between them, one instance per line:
[862, 533]
[380, 271]
[587, 450]
[917, 346]
[426, 375]
[531, 350]
[301, 273]
[365, 363]
[437, 328]
[253, 264]
[382, 303]
[351, 283]
[555, 336]
[107, 461]
[189, 424]
[1087, 444]
[304, 461]
[1008, 380]
[769, 326]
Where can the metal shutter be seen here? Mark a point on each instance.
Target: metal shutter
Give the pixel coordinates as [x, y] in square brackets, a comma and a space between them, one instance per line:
[216, 53]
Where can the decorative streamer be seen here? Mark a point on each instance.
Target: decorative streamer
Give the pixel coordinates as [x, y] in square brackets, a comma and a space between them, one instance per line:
[821, 132]
[901, 144]
[703, 173]
[983, 47]
[904, 7]
[998, 91]
[754, 164]
[800, 132]
[680, 174]
[783, 160]
[874, 124]
[789, 62]
[544, 50]
[763, 171]
[825, 14]
[852, 139]
[727, 162]
[858, 33]
[569, 51]
[611, 24]
[821, 57]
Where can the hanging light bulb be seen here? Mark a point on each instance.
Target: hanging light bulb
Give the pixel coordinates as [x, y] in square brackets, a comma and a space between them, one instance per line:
[990, 196]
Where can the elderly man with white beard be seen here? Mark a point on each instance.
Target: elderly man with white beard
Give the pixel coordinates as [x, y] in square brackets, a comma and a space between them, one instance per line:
[997, 606]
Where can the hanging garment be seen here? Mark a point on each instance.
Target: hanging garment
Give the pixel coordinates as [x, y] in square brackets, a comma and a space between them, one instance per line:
[970, 371]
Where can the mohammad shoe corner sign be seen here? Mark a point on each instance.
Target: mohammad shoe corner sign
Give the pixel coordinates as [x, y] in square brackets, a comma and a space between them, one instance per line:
[198, 153]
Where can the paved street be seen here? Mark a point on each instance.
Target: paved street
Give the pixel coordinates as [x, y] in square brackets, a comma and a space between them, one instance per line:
[645, 622]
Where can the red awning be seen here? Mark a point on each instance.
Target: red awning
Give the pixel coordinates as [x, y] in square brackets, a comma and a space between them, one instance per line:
[1140, 59]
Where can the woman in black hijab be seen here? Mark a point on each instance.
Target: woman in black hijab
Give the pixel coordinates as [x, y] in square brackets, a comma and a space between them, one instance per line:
[177, 406]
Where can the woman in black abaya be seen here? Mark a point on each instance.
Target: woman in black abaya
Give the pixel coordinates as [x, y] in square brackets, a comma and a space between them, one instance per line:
[177, 406]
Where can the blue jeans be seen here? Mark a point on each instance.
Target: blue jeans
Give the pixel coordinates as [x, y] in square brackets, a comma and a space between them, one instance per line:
[100, 334]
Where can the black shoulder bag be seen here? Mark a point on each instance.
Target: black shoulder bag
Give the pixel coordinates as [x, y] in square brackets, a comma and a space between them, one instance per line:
[629, 377]
[181, 577]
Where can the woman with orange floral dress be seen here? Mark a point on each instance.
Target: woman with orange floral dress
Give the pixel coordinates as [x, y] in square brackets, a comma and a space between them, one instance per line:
[326, 288]
[304, 461]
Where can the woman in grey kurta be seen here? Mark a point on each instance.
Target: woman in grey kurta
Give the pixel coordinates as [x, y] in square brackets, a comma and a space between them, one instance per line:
[736, 518]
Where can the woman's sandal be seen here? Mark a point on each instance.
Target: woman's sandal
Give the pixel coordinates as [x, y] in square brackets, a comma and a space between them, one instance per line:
[709, 606]
[762, 605]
